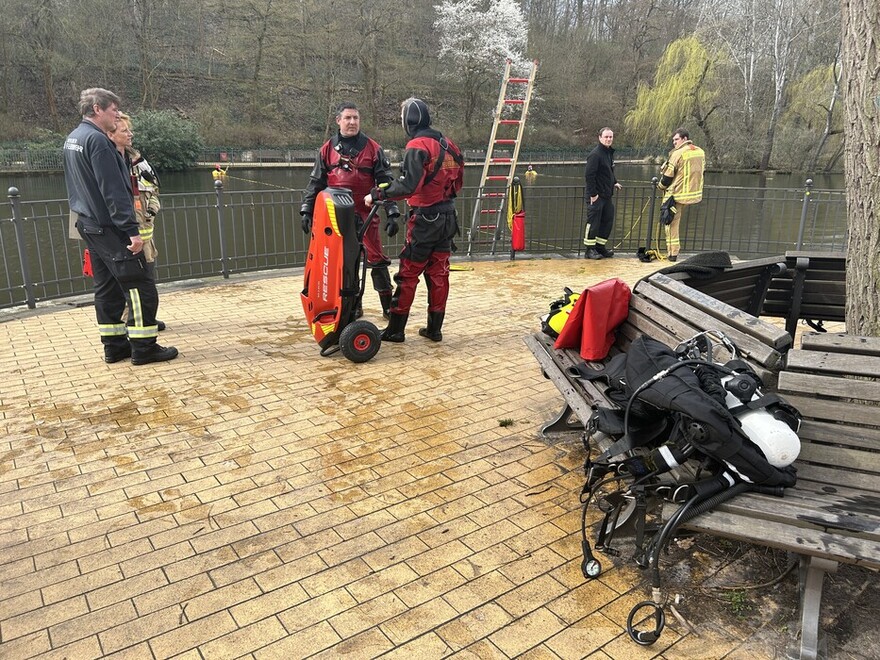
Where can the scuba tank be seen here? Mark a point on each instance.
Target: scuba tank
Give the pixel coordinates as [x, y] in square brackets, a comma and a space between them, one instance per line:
[767, 424]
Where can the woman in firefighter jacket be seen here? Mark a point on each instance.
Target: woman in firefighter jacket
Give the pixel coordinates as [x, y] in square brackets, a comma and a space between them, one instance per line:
[352, 160]
[145, 190]
[432, 175]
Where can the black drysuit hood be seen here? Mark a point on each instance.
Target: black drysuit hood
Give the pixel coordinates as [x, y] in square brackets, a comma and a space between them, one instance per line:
[414, 116]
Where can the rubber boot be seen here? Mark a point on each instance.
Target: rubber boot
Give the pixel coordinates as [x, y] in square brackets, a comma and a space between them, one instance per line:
[435, 322]
[395, 330]
[592, 253]
[385, 301]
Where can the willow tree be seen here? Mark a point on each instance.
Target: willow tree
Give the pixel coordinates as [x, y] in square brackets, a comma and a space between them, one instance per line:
[813, 103]
[684, 90]
[861, 61]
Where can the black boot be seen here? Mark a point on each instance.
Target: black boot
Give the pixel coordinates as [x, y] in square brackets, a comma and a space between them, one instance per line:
[592, 253]
[116, 352]
[396, 325]
[385, 300]
[435, 322]
[604, 251]
[152, 353]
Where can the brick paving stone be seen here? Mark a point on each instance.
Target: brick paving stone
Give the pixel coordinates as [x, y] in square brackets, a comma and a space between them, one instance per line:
[244, 640]
[261, 501]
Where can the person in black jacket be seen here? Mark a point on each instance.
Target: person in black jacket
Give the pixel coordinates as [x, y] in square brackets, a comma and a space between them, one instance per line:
[600, 186]
[99, 192]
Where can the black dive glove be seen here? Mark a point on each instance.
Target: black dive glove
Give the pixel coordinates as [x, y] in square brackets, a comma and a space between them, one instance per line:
[391, 226]
[306, 222]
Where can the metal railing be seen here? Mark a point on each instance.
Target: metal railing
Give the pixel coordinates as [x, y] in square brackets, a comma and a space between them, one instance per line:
[220, 233]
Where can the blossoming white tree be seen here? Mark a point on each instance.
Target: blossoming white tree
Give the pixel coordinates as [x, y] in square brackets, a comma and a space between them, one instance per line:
[475, 40]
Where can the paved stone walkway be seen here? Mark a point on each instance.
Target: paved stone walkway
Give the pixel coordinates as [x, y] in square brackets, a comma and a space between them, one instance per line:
[253, 499]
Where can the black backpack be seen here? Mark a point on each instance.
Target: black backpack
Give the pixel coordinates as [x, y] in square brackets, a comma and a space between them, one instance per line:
[674, 410]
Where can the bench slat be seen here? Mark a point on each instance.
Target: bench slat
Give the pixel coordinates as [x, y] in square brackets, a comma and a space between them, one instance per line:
[841, 343]
[803, 509]
[792, 382]
[845, 459]
[848, 436]
[814, 542]
[838, 363]
[868, 482]
[834, 411]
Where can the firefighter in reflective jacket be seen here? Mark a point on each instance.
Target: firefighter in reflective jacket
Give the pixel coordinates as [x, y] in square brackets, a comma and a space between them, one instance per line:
[681, 177]
[352, 160]
[432, 174]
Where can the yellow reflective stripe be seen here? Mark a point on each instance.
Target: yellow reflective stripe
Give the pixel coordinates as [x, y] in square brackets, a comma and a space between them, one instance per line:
[146, 233]
[143, 332]
[331, 213]
[137, 310]
[111, 329]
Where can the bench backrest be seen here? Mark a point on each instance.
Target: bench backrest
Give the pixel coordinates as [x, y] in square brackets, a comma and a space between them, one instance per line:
[744, 285]
[833, 381]
[671, 311]
[813, 287]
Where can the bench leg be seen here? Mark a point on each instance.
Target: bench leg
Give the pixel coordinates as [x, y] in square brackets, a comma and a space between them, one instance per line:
[562, 423]
[812, 574]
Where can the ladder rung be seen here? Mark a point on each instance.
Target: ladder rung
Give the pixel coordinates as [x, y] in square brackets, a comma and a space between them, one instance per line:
[495, 194]
[514, 101]
[487, 227]
[501, 160]
[505, 141]
[497, 177]
[517, 80]
[487, 211]
[509, 121]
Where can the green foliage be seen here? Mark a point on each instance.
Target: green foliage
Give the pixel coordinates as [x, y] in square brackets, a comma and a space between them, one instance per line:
[810, 97]
[168, 141]
[739, 603]
[683, 82]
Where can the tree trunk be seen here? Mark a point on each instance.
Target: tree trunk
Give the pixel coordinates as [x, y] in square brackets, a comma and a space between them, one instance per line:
[861, 61]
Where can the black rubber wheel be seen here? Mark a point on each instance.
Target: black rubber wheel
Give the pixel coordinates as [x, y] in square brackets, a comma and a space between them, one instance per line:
[360, 341]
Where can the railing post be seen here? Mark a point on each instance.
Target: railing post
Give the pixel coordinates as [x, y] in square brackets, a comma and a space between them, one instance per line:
[224, 267]
[808, 186]
[22, 251]
[654, 182]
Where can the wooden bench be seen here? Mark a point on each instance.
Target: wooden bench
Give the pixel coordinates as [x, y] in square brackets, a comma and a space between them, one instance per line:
[812, 288]
[832, 514]
[669, 311]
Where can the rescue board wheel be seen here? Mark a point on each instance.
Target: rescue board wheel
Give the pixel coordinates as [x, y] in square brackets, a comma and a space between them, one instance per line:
[360, 341]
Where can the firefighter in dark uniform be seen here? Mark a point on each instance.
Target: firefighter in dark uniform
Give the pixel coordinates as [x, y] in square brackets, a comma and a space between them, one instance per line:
[352, 160]
[432, 174]
[100, 194]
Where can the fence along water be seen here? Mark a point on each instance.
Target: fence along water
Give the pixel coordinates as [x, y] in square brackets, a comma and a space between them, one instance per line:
[220, 233]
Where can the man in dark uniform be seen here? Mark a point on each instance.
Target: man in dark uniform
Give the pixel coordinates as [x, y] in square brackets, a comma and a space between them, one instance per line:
[99, 192]
[432, 174]
[352, 160]
[600, 186]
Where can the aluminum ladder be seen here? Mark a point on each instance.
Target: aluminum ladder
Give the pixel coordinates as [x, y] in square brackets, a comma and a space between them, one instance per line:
[494, 186]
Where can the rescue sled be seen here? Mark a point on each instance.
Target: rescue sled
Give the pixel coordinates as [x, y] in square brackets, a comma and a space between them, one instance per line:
[335, 274]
